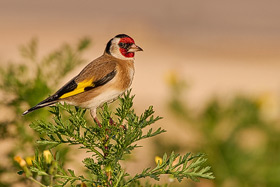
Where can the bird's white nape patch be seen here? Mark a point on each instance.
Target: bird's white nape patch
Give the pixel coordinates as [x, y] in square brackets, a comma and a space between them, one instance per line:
[115, 50]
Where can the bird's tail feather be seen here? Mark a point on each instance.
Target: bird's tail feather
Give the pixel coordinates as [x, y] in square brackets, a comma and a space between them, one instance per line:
[47, 102]
[37, 107]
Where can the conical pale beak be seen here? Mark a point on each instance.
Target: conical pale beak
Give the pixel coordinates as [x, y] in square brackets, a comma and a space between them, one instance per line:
[134, 48]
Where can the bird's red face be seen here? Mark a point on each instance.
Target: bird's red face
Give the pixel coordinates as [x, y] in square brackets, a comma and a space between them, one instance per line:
[128, 47]
[123, 47]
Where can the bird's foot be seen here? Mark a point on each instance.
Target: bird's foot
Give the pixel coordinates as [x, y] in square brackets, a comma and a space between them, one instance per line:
[97, 122]
[111, 121]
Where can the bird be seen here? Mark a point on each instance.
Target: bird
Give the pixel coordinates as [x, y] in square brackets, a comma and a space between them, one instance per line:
[102, 81]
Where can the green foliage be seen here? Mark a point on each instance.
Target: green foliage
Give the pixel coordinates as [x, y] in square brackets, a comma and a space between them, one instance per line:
[240, 137]
[179, 170]
[23, 84]
[109, 142]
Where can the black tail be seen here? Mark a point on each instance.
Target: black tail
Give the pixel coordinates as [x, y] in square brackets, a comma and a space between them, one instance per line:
[47, 102]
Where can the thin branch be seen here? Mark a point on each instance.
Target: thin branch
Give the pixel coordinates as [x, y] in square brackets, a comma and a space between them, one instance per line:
[37, 182]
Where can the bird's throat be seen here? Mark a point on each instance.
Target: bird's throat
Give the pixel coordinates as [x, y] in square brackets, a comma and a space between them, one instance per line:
[126, 54]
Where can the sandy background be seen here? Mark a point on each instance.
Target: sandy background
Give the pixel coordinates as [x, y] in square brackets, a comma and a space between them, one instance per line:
[202, 41]
[219, 47]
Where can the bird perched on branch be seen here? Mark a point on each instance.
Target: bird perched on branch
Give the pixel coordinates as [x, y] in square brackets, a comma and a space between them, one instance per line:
[102, 80]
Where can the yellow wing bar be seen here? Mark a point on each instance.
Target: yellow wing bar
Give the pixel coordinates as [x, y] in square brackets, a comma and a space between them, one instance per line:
[80, 88]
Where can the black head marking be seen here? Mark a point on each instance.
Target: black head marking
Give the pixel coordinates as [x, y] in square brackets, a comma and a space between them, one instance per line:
[125, 45]
[107, 49]
[122, 36]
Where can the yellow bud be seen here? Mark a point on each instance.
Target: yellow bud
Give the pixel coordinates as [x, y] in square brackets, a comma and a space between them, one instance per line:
[47, 156]
[108, 168]
[20, 161]
[23, 165]
[29, 160]
[158, 160]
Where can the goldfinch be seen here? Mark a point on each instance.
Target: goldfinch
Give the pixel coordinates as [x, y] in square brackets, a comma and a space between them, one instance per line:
[102, 80]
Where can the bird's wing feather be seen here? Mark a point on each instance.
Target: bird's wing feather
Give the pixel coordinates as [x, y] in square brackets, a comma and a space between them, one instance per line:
[94, 75]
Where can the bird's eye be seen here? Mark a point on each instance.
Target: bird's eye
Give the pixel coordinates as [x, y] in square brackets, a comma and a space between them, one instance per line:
[125, 45]
[122, 45]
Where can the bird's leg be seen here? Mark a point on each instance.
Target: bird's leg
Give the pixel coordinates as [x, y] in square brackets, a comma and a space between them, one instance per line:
[93, 115]
[97, 121]
[111, 121]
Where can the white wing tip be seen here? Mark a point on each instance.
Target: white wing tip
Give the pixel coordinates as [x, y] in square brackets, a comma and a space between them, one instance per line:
[26, 112]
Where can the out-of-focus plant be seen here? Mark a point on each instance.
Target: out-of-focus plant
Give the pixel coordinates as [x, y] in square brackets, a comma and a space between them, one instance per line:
[240, 136]
[109, 142]
[22, 85]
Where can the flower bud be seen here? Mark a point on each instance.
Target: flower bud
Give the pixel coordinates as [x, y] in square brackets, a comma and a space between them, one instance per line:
[23, 165]
[47, 156]
[108, 168]
[29, 160]
[158, 160]
[20, 161]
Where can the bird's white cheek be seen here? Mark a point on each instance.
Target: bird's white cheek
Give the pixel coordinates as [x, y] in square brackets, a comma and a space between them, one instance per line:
[115, 51]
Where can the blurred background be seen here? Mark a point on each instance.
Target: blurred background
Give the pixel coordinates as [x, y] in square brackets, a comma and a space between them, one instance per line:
[210, 68]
